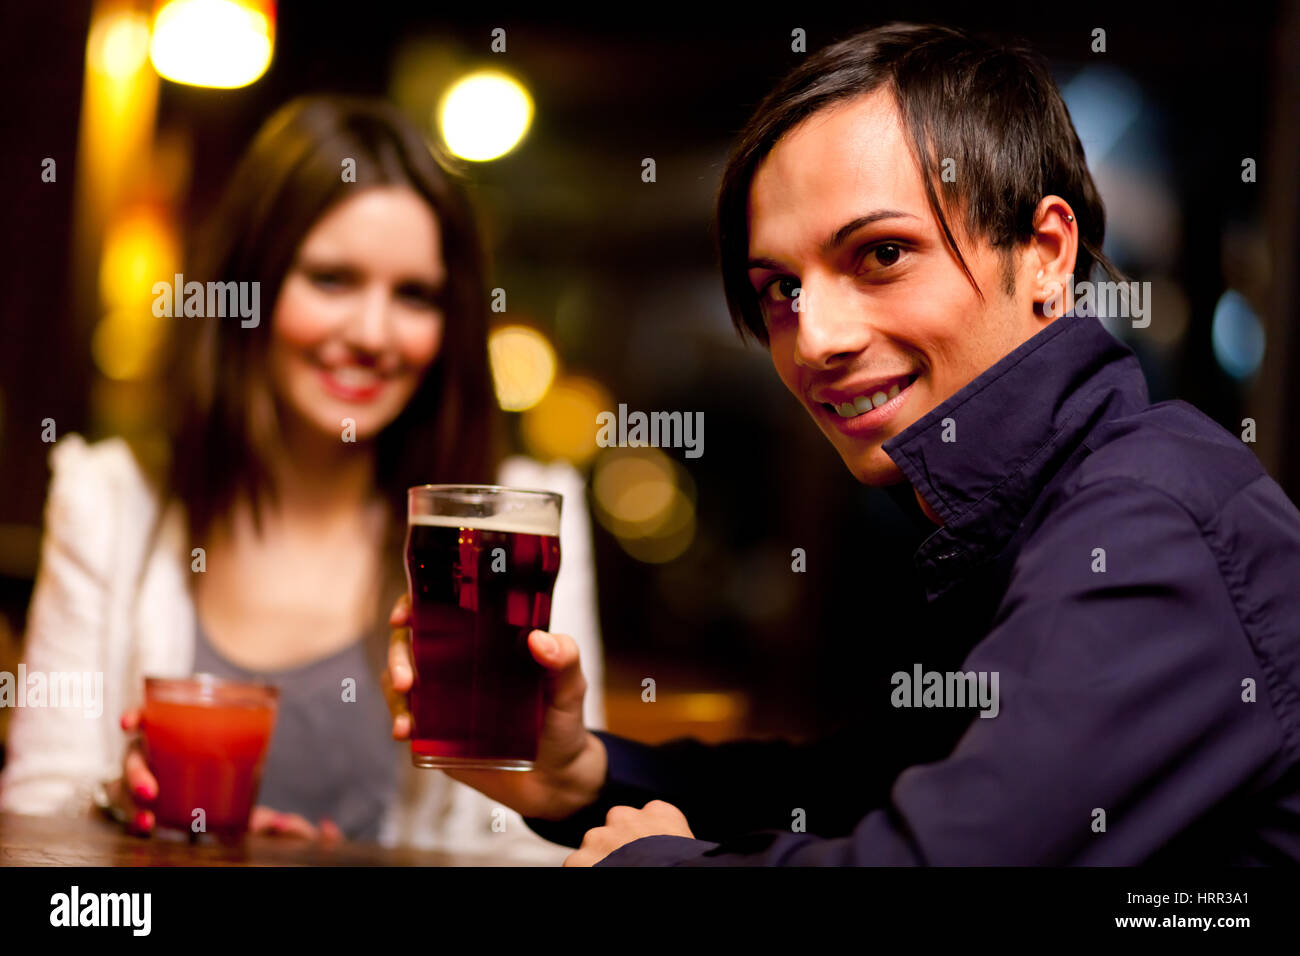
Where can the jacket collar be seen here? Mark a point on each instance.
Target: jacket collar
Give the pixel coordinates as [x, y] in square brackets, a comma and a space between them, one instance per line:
[982, 457]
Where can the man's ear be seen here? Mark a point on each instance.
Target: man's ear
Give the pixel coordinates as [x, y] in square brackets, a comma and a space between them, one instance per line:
[1053, 251]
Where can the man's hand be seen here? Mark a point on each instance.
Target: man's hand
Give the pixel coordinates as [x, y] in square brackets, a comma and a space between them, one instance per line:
[571, 761]
[625, 824]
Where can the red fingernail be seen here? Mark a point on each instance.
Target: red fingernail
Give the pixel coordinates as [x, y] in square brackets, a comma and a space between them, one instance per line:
[142, 820]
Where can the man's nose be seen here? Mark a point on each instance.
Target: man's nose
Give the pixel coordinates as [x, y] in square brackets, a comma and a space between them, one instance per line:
[831, 330]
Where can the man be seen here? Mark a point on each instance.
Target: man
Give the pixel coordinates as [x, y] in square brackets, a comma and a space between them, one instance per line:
[899, 225]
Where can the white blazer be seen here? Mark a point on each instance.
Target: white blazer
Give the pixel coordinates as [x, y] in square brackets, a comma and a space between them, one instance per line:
[84, 618]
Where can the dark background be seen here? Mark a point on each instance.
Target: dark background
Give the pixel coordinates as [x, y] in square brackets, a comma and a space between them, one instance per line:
[571, 222]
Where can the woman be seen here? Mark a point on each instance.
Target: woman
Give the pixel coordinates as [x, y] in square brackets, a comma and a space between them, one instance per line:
[271, 545]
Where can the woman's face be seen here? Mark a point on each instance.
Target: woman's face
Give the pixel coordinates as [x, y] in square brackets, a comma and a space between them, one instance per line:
[359, 318]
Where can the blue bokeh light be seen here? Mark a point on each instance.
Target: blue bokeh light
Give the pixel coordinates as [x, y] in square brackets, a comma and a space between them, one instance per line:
[1237, 335]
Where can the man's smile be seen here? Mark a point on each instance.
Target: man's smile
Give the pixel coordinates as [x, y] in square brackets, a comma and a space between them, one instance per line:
[857, 410]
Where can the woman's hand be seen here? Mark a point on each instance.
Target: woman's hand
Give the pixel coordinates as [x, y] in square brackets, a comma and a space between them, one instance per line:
[571, 761]
[266, 820]
[133, 795]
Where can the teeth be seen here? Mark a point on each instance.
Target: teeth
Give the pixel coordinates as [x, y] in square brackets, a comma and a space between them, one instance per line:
[865, 403]
[354, 377]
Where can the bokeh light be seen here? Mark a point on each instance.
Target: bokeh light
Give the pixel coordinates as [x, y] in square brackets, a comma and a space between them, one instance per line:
[646, 501]
[710, 707]
[484, 115]
[562, 424]
[222, 44]
[140, 248]
[523, 366]
[1237, 336]
[672, 538]
[633, 490]
[127, 343]
[119, 43]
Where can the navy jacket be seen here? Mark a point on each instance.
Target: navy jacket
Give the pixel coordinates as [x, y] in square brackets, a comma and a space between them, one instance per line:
[1131, 574]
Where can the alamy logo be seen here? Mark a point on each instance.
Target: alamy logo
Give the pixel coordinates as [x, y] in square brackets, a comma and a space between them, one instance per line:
[84, 689]
[75, 908]
[216, 300]
[1121, 300]
[656, 430]
[950, 689]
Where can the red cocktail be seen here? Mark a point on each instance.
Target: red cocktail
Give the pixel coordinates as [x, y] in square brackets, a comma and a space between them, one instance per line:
[205, 741]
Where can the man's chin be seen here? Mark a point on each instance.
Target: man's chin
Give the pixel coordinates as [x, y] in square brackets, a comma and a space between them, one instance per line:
[874, 469]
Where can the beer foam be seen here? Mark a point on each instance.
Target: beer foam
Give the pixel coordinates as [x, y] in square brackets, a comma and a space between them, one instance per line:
[510, 523]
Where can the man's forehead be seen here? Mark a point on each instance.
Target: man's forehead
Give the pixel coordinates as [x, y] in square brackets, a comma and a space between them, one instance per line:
[846, 159]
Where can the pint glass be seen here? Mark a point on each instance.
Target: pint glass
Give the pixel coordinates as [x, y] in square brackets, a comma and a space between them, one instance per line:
[481, 562]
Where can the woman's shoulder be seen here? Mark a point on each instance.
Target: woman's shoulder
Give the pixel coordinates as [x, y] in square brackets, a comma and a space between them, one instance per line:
[108, 458]
[104, 476]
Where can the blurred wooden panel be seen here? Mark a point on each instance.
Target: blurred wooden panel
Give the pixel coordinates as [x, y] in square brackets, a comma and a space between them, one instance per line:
[709, 716]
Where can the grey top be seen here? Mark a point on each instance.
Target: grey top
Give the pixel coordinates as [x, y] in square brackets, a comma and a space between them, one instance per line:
[330, 756]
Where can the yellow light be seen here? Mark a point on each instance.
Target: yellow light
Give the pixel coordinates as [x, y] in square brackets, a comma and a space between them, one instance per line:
[139, 250]
[222, 44]
[126, 344]
[709, 706]
[633, 490]
[484, 115]
[560, 425]
[671, 539]
[523, 366]
[119, 98]
[119, 43]
[640, 495]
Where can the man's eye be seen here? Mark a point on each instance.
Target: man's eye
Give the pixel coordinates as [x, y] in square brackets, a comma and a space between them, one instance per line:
[887, 254]
[784, 288]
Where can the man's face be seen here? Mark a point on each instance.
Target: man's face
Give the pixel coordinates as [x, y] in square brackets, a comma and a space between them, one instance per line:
[886, 319]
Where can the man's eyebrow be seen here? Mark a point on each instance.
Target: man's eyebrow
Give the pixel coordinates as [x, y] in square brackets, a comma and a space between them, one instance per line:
[849, 228]
[840, 234]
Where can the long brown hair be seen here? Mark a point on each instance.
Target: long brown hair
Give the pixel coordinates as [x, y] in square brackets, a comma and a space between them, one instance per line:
[992, 106]
[225, 423]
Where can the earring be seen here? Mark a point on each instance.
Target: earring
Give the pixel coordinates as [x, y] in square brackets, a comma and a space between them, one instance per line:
[1069, 218]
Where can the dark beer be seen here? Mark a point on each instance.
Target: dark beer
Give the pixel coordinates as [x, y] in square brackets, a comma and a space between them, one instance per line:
[478, 587]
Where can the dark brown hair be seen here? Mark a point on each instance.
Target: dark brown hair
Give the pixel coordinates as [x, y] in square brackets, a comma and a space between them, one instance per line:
[225, 423]
[991, 106]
